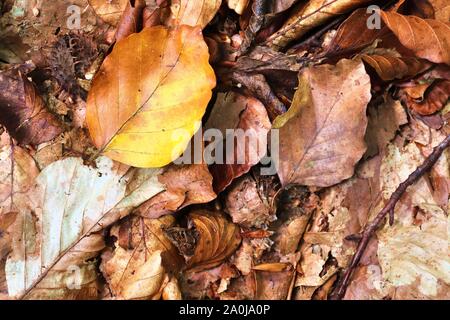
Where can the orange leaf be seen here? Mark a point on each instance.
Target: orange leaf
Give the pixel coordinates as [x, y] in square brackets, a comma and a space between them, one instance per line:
[149, 96]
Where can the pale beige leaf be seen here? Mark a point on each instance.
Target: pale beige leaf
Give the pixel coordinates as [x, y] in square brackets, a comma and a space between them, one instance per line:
[70, 201]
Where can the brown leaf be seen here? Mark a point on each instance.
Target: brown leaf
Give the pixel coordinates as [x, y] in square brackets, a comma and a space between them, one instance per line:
[138, 270]
[17, 174]
[185, 185]
[131, 20]
[296, 206]
[427, 38]
[385, 120]
[435, 98]
[324, 128]
[390, 67]
[308, 15]
[246, 205]
[441, 10]
[349, 38]
[217, 240]
[22, 110]
[248, 116]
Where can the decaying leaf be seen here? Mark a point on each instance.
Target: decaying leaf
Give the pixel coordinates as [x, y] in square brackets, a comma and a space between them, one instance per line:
[385, 120]
[17, 173]
[427, 38]
[22, 110]
[308, 15]
[55, 237]
[247, 205]
[159, 74]
[324, 128]
[417, 253]
[6, 221]
[138, 266]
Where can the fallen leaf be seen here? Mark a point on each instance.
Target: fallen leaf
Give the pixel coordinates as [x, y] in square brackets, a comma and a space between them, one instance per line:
[427, 38]
[408, 253]
[324, 128]
[55, 241]
[349, 38]
[249, 125]
[142, 256]
[109, 11]
[294, 212]
[185, 185]
[156, 72]
[390, 67]
[238, 5]
[17, 174]
[131, 20]
[385, 120]
[308, 15]
[247, 206]
[6, 221]
[194, 12]
[441, 10]
[218, 239]
[434, 98]
[22, 110]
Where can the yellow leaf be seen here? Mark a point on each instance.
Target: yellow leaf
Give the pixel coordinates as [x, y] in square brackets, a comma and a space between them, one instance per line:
[149, 96]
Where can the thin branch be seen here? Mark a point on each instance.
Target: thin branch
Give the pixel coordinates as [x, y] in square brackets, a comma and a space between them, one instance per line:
[372, 227]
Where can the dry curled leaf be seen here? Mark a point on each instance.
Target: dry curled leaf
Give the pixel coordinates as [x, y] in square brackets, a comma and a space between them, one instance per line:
[434, 98]
[427, 38]
[17, 173]
[324, 128]
[148, 80]
[217, 240]
[389, 67]
[22, 110]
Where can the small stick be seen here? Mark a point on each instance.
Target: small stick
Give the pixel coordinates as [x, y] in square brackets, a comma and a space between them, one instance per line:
[370, 229]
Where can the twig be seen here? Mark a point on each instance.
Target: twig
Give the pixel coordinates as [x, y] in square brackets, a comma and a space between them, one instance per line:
[370, 229]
